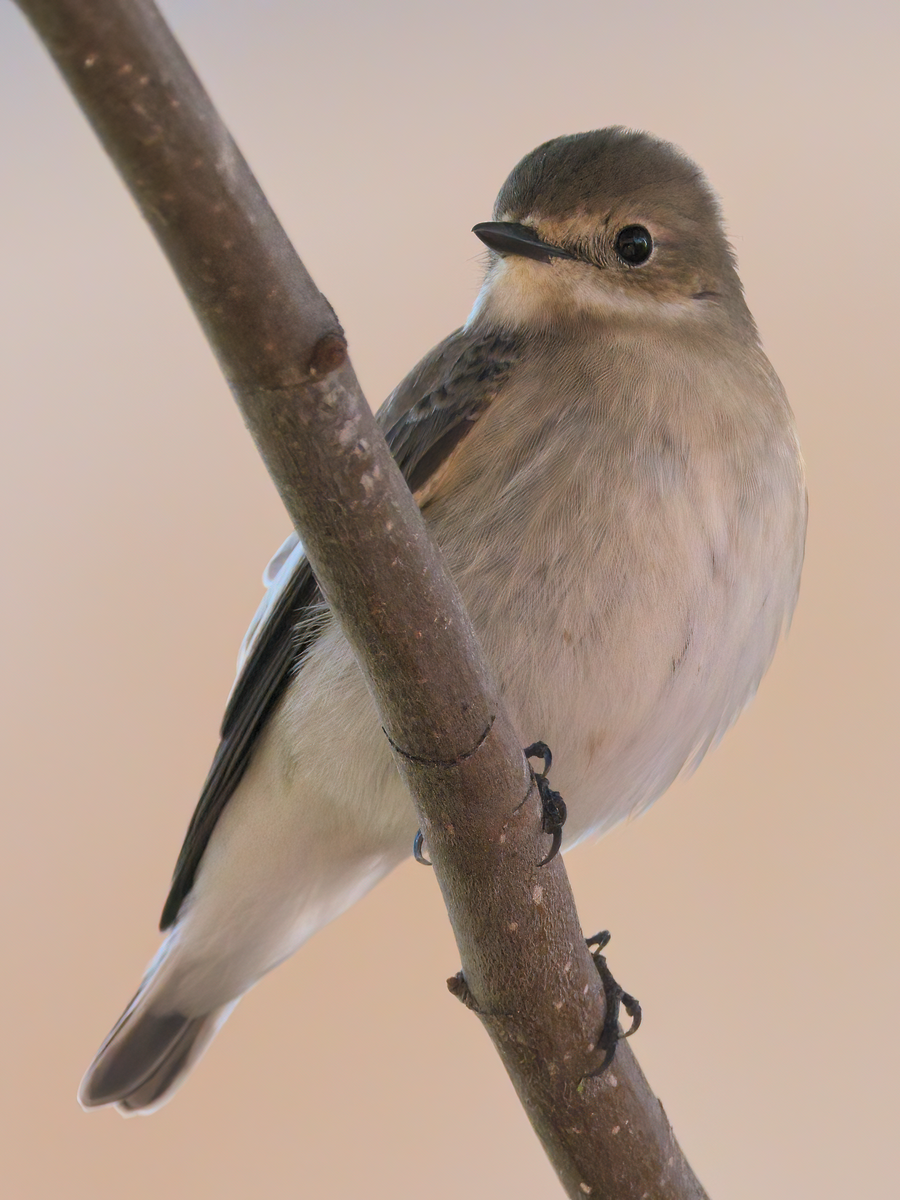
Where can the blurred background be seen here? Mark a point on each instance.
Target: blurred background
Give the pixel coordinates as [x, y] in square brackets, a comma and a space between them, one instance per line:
[753, 910]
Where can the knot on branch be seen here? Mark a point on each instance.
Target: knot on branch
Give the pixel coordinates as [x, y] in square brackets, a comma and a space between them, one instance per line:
[457, 986]
[328, 354]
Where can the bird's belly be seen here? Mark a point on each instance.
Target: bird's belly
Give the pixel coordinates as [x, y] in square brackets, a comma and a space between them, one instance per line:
[622, 740]
[631, 655]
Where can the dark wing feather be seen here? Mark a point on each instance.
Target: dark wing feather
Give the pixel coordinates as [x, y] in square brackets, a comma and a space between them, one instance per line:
[260, 686]
[424, 420]
[435, 406]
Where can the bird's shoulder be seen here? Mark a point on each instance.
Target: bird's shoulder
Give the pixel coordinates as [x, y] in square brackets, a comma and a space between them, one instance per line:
[434, 407]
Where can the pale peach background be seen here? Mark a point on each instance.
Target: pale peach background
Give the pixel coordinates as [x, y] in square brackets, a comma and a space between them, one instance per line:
[754, 911]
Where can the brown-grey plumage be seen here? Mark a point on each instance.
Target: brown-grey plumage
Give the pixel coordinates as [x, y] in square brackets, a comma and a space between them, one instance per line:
[609, 464]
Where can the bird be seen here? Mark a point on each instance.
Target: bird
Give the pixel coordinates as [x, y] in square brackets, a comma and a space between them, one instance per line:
[610, 467]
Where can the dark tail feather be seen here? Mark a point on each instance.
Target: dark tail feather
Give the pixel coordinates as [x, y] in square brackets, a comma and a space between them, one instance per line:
[147, 1057]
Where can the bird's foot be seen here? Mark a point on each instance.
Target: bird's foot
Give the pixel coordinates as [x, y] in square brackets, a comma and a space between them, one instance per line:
[553, 807]
[552, 804]
[616, 998]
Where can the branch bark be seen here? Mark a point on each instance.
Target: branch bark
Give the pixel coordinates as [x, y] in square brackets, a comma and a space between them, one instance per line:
[527, 970]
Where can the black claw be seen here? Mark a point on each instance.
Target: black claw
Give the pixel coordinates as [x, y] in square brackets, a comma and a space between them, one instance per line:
[540, 750]
[554, 847]
[632, 1006]
[418, 843]
[599, 941]
[552, 804]
[616, 999]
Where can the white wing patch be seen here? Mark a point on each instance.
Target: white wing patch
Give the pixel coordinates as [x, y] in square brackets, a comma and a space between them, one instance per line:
[280, 569]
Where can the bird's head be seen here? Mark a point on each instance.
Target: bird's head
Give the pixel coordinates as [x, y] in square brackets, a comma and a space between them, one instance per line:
[604, 225]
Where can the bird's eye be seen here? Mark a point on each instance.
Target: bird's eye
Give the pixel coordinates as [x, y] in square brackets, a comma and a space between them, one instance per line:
[634, 245]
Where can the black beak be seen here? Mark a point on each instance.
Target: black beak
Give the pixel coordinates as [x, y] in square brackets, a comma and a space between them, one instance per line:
[506, 237]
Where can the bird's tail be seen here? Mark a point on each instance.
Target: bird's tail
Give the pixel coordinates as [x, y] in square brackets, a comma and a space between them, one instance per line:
[149, 1053]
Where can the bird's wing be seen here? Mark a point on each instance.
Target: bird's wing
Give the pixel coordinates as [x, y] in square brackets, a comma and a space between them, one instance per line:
[424, 420]
[269, 650]
[437, 403]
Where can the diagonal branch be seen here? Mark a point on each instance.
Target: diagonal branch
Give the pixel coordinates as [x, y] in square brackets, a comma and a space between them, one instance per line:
[525, 965]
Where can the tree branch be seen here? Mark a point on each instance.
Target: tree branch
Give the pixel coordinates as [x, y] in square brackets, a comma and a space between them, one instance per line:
[527, 970]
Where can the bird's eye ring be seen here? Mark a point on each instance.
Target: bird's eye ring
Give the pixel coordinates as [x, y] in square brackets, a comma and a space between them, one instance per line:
[634, 245]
